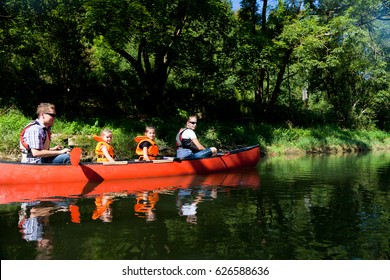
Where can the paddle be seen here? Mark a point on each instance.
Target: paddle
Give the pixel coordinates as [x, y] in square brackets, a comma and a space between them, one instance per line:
[126, 162]
[115, 162]
[163, 160]
[75, 155]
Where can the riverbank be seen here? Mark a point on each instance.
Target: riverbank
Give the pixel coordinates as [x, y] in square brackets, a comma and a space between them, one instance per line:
[274, 140]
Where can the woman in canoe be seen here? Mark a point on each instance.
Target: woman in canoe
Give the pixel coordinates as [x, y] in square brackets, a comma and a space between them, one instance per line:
[147, 148]
[104, 150]
[188, 145]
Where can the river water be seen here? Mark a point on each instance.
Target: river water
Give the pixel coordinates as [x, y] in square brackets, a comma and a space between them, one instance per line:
[322, 207]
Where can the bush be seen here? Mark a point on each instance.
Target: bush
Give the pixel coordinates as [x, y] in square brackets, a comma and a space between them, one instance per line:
[224, 136]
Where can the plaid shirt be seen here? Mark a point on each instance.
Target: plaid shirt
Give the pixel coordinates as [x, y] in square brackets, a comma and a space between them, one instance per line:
[35, 137]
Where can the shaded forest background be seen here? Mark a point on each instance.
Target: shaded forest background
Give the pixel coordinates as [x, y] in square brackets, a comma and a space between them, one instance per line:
[305, 63]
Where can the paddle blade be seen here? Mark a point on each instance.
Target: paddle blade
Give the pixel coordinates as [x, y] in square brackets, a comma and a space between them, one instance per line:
[75, 155]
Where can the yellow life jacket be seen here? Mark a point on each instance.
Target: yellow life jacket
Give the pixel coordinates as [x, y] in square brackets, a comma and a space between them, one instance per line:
[98, 150]
[152, 150]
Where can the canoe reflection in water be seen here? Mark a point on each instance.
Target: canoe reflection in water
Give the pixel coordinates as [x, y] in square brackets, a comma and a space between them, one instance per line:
[40, 201]
[33, 192]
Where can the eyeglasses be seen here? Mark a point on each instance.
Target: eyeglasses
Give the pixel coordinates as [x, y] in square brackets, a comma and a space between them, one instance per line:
[51, 115]
[193, 122]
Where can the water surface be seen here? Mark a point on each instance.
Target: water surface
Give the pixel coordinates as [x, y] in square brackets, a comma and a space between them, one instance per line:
[315, 207]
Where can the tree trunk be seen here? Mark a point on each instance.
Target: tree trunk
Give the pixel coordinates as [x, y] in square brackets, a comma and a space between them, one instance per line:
[279, 81]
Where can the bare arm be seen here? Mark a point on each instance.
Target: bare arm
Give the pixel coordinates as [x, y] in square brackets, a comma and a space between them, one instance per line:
[197, 144]
[145, 150]
[49, 153]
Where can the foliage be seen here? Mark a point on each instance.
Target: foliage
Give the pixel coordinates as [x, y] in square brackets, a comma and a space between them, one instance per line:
[156, 36]
[304, 62]
[326, 139]
[331, 57]
[11, 123]
[225, 136]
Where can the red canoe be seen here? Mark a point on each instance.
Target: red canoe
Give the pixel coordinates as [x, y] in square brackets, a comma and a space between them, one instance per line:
[51, 191]
[23, 173]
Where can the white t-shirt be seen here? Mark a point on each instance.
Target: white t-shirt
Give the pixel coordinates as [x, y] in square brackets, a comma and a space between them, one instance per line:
[187, 134]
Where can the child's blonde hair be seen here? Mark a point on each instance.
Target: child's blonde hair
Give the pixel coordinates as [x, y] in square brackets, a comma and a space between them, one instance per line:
[147, 128]
[106, 130]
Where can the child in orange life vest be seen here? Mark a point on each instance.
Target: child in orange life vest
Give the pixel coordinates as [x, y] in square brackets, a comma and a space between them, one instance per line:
[104, 151]
[147, 148]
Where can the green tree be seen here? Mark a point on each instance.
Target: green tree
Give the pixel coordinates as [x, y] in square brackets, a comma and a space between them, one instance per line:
[351, 70]
[153, 36]
[266, 45]
[44, 45]
[323, 46]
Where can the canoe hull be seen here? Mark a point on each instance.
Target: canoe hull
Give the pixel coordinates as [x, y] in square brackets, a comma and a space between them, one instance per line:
[16, 173]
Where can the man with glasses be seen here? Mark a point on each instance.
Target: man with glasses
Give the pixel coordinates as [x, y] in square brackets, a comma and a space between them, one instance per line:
[188, 145]
[35, 139]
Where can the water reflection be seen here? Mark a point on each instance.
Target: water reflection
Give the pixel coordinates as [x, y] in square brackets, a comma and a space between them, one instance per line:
[145, 205]
[42, 207]
[320, 207]
[103, 210]
[34, 223]
[32, 192]
[188, 200]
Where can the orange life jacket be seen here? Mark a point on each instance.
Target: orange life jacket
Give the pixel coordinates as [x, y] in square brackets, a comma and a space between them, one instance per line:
[145, 205]
[21, 135]
[152, 150]
[99, 152]
[74, 213]
[102, 204]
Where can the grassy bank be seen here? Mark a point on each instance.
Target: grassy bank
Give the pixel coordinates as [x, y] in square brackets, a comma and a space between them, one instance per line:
[273, 140]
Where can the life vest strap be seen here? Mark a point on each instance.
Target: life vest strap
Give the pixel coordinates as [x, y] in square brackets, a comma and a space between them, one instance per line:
[21, 135]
